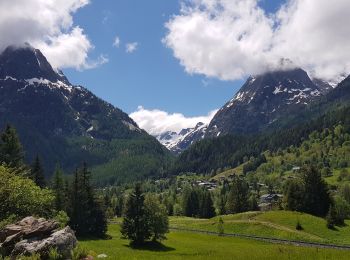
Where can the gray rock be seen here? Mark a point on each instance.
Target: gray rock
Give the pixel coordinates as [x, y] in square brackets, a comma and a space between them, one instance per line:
[63, 240]
[32, 235]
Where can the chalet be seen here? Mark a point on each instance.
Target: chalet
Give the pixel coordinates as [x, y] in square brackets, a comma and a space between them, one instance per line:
[265, 206]
[268, 201]
[206, 184]
[270, 198]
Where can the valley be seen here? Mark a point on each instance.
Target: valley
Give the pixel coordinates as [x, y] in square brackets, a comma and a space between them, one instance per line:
[108, 151]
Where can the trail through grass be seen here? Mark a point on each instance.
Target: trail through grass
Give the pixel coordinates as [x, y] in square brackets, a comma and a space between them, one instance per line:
[273, 224]
[185, 245]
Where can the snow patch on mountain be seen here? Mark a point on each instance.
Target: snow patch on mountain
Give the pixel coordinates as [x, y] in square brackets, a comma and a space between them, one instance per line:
[178, 142]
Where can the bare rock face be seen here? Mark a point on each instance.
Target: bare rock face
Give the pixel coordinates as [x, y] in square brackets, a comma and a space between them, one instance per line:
[32, 235]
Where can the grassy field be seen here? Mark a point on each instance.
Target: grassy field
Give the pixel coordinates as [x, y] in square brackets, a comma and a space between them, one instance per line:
[274, 224]
[183, 245]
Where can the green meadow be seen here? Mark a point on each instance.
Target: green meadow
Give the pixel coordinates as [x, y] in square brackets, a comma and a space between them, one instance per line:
[273, 224]
[189, 245]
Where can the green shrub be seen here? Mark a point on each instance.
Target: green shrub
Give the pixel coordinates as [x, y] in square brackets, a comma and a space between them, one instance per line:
[20, 197]
[32, 257]
[62, 218]
[79, 253]
[54, 255]
[8, 220]
[298, 226]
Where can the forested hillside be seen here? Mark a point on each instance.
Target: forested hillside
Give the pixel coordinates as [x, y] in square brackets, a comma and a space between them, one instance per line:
[229, 151]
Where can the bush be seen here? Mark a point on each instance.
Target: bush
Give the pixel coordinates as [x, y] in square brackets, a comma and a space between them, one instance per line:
[20, 197]
[32, 257]
[331, 217]
[54, 255]
[177, 210]
[11, 219]
[62, 218]
[221, 227]
[79, 253]
[298, 226]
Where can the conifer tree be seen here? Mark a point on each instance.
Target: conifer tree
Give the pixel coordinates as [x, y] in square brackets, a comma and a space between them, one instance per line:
[207, 209]
[37, 173]
[316, 198]
[237, 200]
[58, 187]
[135, 225]
[293, 196]
[74, 210]
[87, 214]
[221, 205]
[11, 151]
[190, 202]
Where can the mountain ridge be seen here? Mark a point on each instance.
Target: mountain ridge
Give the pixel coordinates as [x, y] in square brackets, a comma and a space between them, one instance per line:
[64, 123]
[264, 99]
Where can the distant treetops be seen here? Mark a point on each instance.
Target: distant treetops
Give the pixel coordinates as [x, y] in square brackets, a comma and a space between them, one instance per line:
[24, 191]
[12, 156]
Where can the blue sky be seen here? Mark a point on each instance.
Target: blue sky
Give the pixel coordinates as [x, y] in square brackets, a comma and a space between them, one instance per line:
[189, 57]
[150, 76]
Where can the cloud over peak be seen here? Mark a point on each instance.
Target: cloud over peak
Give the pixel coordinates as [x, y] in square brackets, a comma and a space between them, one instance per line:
[230, 39]
[47, 25]
[156, 121]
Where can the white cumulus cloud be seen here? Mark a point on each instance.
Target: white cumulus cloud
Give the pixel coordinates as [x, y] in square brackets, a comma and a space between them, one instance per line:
[131, 47]
[116, 42]
[231, 39]
[47, 25]
[156, 121]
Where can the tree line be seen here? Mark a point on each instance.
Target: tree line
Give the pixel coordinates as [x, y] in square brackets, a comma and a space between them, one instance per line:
[75, 199]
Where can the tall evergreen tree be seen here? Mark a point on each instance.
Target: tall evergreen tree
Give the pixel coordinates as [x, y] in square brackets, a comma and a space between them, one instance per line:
[222, 205]
[316, 199]
[58, 187]
[190, 202]
[294, 196]
[87, 215]
[75, 210]
[11, 150]
[207, 209]
[37, 173]
[237, 200]
[135, 223]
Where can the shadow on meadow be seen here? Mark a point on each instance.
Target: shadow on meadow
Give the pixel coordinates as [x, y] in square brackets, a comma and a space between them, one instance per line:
[151, 246]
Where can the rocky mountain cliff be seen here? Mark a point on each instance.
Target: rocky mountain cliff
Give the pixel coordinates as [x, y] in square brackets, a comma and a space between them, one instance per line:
[265, 99]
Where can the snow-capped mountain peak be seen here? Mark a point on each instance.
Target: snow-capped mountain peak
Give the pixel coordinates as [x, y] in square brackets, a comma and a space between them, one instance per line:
[265, 98]
[178, 142]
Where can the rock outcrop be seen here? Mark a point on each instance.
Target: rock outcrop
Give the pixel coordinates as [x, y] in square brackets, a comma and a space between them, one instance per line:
[36, 236]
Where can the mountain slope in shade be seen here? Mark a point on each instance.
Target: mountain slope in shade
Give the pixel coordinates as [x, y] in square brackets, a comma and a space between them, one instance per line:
[63, 123]
[178, 142]
[264, 99]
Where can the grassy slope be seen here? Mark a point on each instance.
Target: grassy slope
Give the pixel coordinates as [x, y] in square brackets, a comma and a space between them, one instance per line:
[275, 224]
[182, 245]
[237, 170]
